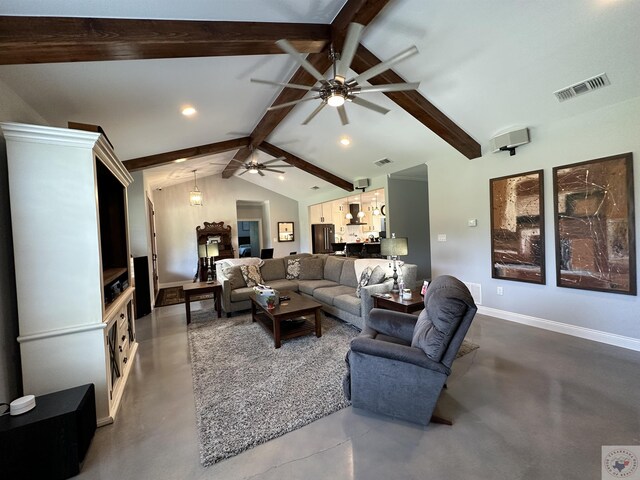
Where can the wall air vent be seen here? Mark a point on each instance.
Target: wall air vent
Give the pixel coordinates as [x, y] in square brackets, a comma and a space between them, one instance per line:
[315, 187]
[585, 86]
[382, 162]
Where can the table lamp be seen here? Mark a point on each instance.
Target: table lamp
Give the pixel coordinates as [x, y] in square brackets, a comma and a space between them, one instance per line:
[209, 251]
[394, 247]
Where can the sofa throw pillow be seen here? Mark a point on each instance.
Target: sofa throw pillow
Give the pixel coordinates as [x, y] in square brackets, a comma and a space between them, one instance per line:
[364, 280]
[377, 276]
[251, 275]
[293, 269]
[311, 268]
[234, 275]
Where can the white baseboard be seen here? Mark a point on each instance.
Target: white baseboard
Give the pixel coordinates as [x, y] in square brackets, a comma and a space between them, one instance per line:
[573, 330]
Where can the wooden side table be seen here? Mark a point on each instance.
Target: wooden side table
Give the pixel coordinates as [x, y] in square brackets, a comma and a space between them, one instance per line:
[396, 303]
[201, 288]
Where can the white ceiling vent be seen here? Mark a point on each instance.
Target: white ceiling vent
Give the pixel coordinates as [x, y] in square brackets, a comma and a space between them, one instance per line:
[582, 87]
[382, 162]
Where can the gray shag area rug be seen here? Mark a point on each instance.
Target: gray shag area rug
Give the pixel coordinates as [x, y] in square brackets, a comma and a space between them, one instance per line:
[247, 392]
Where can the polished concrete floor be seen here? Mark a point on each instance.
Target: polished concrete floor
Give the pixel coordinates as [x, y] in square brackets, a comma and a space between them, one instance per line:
[529, 404]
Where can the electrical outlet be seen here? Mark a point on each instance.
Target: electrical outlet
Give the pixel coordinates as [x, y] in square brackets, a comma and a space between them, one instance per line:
[473, 222]
[499, 291]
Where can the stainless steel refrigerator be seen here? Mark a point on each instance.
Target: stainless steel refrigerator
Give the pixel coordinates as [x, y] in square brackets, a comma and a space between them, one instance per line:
[322, 236]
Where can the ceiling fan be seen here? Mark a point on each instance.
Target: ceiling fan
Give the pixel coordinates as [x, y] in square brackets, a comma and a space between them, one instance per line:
[254, 166]
[337, 90]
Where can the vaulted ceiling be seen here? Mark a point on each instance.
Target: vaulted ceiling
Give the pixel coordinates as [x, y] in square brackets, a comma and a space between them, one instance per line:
[484, 67]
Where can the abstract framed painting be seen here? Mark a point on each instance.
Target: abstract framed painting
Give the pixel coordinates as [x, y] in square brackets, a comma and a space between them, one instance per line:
[517, 227]
[595, 225]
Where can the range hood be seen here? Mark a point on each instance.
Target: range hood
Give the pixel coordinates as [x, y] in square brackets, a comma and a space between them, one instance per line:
[354, 208]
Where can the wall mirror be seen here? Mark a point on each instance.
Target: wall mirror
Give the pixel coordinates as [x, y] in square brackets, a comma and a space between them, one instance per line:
[285, 232]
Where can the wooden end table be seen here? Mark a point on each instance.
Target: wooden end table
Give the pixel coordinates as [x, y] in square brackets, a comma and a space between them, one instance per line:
[200, 288]
[398, 304]
[297, 306]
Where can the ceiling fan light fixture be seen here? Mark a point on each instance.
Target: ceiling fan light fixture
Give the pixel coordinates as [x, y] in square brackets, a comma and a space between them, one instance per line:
[253, 170]
[336, 99]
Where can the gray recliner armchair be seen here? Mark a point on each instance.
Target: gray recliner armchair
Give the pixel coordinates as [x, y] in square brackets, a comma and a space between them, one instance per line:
[399, 363]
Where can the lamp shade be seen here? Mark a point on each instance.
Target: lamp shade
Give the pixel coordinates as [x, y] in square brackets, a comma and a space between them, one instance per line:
[212, 249]
[208, 250]
[394, 246]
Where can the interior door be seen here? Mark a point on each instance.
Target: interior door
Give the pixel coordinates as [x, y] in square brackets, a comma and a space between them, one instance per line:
[154, 255]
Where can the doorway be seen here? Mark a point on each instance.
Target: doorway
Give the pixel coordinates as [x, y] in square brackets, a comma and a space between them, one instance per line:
[249, 241]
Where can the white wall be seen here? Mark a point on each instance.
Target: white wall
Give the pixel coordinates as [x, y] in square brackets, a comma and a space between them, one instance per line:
[459, 191]
[139, 234]
[12, 109]
[176, 221]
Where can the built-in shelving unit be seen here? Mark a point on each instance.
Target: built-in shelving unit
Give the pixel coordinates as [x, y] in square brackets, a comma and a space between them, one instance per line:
[73, 268]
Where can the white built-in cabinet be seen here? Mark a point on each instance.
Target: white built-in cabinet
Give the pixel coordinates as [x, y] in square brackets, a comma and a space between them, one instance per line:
[68, 195]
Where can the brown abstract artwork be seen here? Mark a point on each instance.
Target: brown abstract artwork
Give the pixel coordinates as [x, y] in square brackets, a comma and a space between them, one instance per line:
[517, 227]
[595, 225]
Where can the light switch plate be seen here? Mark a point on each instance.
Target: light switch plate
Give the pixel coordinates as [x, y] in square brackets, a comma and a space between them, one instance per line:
[442, 237]
[473, 222]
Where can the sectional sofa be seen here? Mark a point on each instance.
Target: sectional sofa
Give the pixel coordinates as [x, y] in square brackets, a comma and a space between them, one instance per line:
[330, 280]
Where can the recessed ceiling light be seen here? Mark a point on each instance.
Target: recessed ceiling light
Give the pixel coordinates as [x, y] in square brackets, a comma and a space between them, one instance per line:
[281, 177]
[345, 141]
[180, 160]
[188, 111]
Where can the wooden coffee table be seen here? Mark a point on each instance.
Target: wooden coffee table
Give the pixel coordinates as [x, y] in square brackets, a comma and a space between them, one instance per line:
[274, 320]
[398, 304]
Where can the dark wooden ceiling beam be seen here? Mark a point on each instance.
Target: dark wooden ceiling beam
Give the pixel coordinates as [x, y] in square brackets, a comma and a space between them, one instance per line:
[419, 107]
[25, 40]
[240, 156]
[151, 161]
[310, 168]
[362, 11]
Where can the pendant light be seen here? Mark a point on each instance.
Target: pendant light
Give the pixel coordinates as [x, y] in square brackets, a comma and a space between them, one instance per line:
[195, 196]
[360, 212]
[376, 211]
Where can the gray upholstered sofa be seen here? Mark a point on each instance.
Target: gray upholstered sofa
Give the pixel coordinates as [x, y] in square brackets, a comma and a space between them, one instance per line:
[330, 280]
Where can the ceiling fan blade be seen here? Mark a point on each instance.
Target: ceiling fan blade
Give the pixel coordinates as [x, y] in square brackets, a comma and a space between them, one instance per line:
[349, 48]
[272, 170]
[260, 172]
[232, 160]
[281, 166]
[288, 48]
[240, 174]
[390, 87]
[288, 85]
[367, 104]
[288, 104]
[386, 65]
[343, 115]
[314, 113]
[274, 160]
